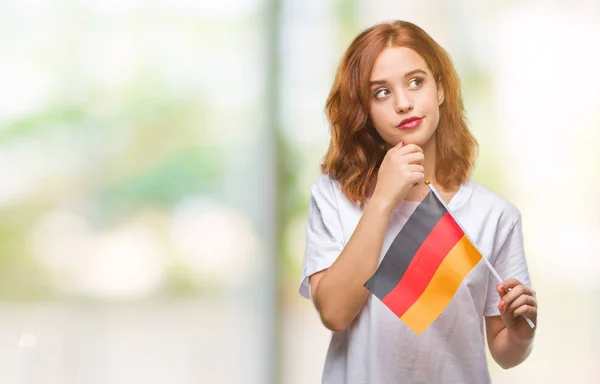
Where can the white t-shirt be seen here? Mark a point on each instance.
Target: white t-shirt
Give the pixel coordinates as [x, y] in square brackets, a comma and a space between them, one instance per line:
[377, 347]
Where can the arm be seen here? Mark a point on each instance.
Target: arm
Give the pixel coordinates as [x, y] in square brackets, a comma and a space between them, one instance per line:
[338, 292]
[510, 339]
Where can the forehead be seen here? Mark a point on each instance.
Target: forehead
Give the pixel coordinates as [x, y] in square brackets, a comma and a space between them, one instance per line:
[396, 61]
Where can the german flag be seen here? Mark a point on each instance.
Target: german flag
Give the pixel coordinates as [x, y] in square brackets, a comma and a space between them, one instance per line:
[424, 266]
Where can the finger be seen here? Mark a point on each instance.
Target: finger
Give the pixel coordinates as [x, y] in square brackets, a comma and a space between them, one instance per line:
[515, 293]
[414, 158]
[396, 147]
[526, 310]
[500, 288]
[410, 148]
[520, 301]
[510, 283]
[521, 290]
[417, 177]
[416, 168]
[509, 306]
[507, 285]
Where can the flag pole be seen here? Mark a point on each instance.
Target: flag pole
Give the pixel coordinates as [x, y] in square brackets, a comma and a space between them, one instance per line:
[487, 262]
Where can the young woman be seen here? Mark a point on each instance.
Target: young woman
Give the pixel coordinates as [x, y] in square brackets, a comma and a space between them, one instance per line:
[396, 117]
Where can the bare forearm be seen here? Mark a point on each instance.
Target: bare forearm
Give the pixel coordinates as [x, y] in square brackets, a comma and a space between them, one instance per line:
[341, 294]
[508, 352]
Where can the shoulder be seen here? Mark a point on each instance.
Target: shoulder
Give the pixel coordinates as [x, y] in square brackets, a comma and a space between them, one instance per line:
[493, 204]
[326, 189]
[325, 186]
[324, 195]
[327, 194]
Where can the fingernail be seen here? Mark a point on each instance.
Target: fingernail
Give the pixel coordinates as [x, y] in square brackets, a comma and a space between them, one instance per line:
[502, 303]
[502, 286]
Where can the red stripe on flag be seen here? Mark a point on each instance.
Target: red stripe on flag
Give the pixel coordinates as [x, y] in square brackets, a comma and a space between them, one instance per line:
[444, 235]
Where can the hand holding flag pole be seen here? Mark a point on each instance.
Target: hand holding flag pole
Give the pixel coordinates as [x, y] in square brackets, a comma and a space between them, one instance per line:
[490, 267]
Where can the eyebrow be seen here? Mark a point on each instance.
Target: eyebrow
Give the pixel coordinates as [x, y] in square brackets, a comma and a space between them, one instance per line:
[407, 74]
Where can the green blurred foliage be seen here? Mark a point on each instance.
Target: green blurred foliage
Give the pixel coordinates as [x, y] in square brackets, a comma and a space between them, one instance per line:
[144, 154]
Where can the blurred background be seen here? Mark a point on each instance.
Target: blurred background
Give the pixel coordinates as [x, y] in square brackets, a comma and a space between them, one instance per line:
[156, 159]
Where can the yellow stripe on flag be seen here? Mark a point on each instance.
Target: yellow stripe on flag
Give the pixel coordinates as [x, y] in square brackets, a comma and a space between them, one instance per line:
[461, 259]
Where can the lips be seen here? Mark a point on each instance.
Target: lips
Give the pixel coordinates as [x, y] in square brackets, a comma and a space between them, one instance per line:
[410, 123]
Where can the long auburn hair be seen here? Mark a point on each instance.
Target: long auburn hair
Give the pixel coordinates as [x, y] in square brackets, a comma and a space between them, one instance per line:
[356, 150]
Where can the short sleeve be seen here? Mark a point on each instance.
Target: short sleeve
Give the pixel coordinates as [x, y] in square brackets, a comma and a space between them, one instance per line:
[324, 236]
[509, 262]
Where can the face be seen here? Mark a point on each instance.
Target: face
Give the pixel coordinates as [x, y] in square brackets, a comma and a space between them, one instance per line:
[404, 97]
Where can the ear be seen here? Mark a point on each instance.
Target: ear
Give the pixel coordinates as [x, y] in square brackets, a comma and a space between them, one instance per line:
[440, 92]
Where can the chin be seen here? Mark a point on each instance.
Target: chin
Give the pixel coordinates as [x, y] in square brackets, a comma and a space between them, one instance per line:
[414, 140]
[417, 138]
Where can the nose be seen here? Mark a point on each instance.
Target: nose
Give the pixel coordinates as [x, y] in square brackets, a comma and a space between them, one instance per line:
[403, 102]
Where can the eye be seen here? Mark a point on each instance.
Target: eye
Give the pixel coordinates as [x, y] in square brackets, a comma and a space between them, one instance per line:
[416, 83]
[381, 93]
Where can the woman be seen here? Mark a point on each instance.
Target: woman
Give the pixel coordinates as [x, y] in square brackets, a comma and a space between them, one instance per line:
[396, 118]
